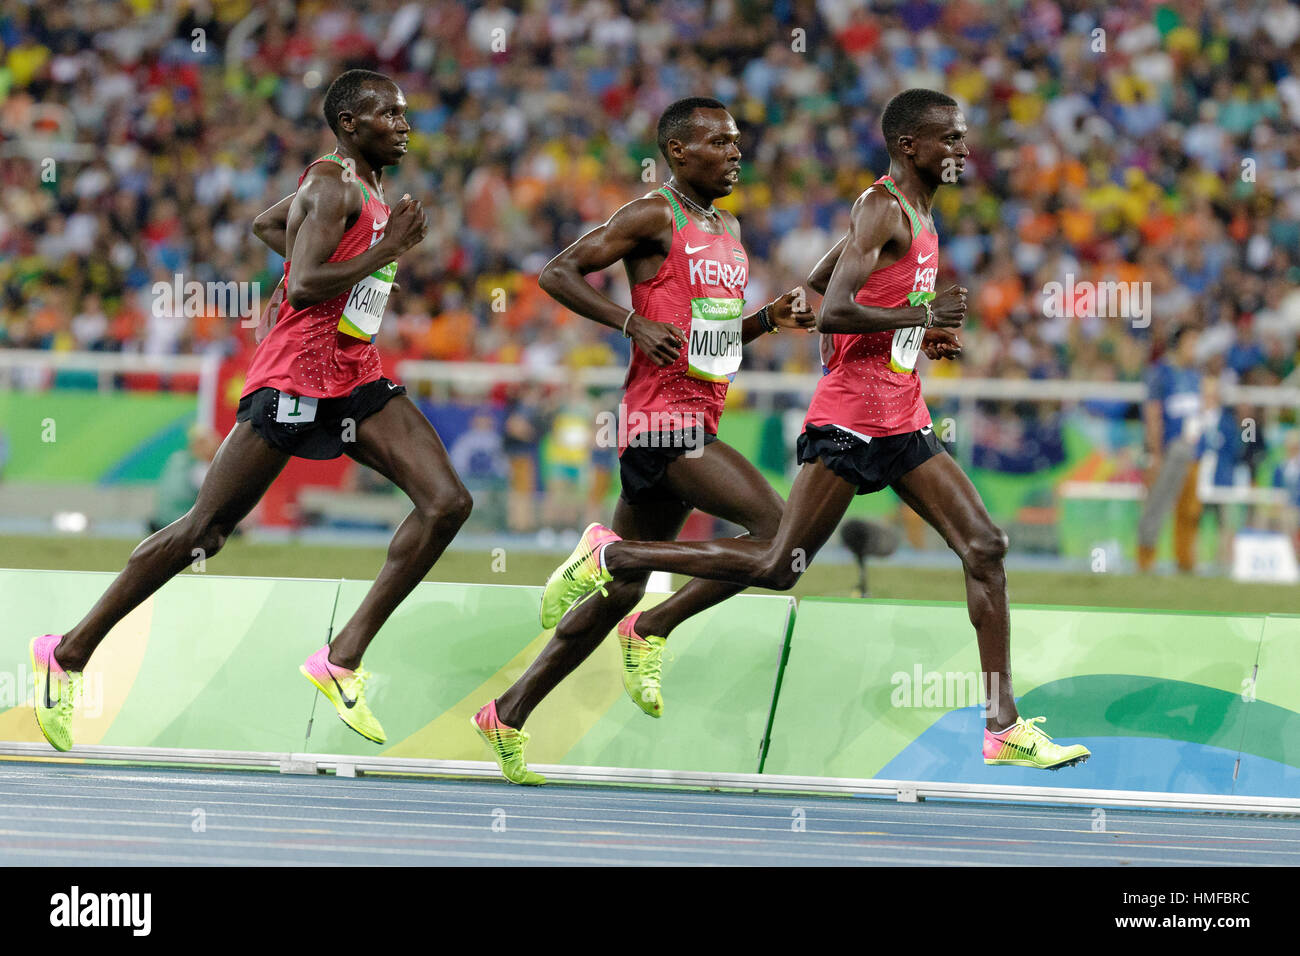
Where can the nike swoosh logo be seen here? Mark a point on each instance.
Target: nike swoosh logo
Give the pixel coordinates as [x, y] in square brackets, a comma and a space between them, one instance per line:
[392, 385]
[921, 259]
[49, 704]
[690, 251]
[380, 225]
[926, 430]
[346, 702]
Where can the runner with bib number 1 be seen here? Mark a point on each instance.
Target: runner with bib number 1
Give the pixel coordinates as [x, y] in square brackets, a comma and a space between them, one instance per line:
[688, 272]
[315, 389]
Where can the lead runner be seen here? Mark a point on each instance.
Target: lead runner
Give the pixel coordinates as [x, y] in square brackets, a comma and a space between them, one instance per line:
[315, 389]
[868, 428]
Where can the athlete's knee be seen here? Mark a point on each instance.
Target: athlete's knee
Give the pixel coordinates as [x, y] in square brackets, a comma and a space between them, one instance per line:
[779, 570]
[448, 509]
[199, 535]
[626, 592]
[985, 550]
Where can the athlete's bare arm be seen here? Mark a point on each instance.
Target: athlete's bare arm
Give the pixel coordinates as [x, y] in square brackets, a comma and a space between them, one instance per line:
[324, 206]
[640, 233]
[937, 344]
[272, 226]
[878, 230]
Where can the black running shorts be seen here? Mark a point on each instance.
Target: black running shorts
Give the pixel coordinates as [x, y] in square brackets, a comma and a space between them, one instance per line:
[643, 464]
[870, 465]
[315, 428]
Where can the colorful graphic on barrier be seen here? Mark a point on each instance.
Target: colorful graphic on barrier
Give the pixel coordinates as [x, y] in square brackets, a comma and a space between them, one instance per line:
[1165, 701]
[211, 663]
[1185, 703]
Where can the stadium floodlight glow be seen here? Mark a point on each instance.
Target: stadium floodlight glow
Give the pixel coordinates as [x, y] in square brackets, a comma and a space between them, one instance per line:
[71, 522]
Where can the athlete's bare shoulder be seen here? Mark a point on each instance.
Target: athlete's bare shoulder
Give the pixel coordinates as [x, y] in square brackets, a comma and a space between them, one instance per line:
[876, 218]
[734, 223]
[646, 221]
[331, 187]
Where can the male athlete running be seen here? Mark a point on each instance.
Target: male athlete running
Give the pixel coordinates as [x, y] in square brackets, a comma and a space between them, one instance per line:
[867, 427]
[315, 389]
[688, 273]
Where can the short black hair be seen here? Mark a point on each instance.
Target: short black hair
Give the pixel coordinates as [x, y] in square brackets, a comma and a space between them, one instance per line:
[675, 123]
[905, 112]
[347, 93]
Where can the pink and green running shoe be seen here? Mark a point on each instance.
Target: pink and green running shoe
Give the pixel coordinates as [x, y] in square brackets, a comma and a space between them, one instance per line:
[1024, 745]
[55, 691]
[507, 745]
[643, 661]
[582, 573]
[346, 690]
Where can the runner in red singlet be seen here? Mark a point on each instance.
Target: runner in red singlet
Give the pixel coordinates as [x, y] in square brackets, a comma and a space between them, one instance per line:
[315, 389]
[868, 428]
[688, 272]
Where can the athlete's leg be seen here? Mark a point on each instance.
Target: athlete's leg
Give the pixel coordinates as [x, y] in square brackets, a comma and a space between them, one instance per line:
[939, 491]
[817, 502]
[1187, 521]
[720, 482]
[585, 626]
[242, 470]
[398, 442]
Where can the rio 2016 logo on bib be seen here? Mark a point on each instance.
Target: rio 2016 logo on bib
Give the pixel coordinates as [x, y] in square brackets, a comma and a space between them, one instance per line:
[906, 345]
[714, 347]
[364, 309]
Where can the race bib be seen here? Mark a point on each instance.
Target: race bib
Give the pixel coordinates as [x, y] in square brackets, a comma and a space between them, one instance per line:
[295, 409]
[364, 309]
[906, 345]
[714, 347]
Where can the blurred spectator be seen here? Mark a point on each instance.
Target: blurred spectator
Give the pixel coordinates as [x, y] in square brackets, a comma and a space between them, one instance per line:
[1286, 476]
[1173, 419]
[178, 486]
[527, 420]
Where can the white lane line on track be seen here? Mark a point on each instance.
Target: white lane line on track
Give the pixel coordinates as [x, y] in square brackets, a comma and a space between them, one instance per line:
[807, 844]
[939, 831]
[365, 790]
[903, 842]
[339, 857]
[530, 812]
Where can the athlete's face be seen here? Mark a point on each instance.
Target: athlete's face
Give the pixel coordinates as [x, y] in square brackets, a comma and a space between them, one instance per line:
[710, 159]
[939, 145]
[379, 126]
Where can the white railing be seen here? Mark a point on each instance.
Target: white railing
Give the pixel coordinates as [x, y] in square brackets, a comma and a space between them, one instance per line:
[471, 376]
[34, 368]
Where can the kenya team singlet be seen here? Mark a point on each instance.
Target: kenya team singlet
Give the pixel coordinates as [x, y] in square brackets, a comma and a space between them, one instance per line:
[699, 288]
[326, 350]
[870, 385]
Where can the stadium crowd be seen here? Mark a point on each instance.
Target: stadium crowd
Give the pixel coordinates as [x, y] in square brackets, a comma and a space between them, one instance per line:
[1148, 143]
[1142, 142]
